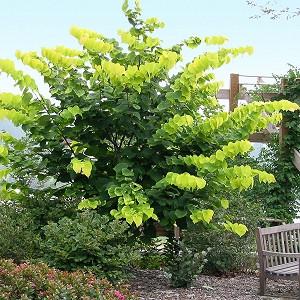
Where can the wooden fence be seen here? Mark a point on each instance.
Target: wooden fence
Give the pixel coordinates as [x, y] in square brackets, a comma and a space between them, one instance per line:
[238, 92]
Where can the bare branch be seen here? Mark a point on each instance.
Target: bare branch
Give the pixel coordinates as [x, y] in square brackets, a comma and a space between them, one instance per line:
[271, 9]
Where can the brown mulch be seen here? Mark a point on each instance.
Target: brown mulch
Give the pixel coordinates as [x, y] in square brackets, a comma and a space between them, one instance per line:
[152, 285]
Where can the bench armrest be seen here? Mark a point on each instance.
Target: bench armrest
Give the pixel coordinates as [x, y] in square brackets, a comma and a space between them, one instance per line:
[280, 254]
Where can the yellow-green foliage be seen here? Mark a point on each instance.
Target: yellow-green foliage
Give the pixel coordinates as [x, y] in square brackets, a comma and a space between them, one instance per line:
[22, 80]
[123, 129]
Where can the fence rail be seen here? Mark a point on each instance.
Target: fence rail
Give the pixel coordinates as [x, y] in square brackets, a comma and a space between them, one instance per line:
[236, 92]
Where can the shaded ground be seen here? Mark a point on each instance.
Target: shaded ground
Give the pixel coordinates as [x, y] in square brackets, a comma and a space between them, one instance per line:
[152, 285]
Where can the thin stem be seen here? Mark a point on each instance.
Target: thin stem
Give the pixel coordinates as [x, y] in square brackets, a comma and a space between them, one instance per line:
[42, 100]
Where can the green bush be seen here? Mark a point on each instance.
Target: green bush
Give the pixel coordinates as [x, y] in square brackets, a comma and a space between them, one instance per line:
[229, 252]
[280, 200]
[26, 281]
[92, 242]
[18, 237]
[184, 263]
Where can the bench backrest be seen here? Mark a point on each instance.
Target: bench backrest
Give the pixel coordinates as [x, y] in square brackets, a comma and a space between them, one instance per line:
[283, 238]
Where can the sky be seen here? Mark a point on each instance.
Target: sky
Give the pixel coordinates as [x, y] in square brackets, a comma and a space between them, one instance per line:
[32, 24]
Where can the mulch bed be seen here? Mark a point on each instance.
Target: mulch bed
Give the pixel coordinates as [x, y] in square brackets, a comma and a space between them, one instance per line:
[152, 285]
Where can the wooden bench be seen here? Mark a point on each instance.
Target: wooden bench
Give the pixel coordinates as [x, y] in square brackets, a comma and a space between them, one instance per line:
[278, 250]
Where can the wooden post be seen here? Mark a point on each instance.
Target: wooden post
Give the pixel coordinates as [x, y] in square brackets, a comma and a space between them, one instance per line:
[283, 131]
[176, 232]
[234, 91]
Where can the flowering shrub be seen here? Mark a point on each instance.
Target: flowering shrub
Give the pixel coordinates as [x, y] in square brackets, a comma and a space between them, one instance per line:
[38, 281]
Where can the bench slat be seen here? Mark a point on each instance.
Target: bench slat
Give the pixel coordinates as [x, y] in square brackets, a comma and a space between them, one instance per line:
[276, 259]
[290, 271]
[282, 260]
[283, 247]
[280, 228]
[282, 267]
[285, 269]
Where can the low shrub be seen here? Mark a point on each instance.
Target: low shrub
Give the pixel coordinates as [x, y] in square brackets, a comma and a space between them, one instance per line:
[91, 242]
[229, 252]
[184, 263]
[38, 281]
[19, 239]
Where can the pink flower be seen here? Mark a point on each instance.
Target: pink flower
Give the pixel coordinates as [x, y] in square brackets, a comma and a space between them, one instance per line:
[51, 275]
[21, 267]
[42, 293]
[119, 295]
[91, 281]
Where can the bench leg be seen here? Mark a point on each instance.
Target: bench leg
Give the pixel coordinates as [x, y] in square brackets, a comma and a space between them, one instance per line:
[299, 281]
[262, 284]
[298, 287]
